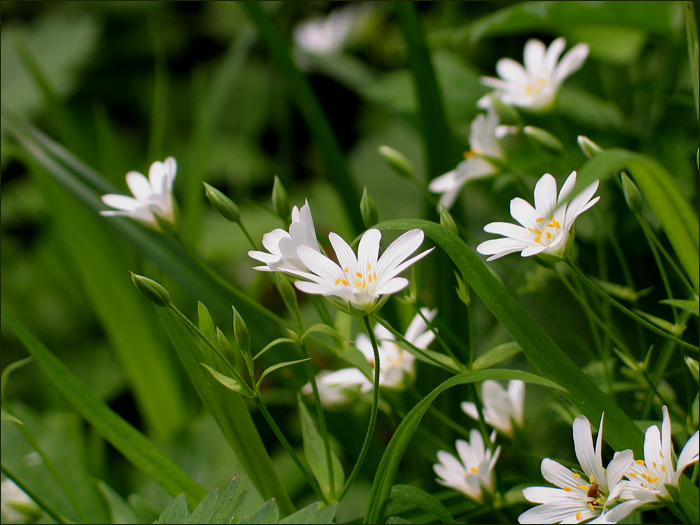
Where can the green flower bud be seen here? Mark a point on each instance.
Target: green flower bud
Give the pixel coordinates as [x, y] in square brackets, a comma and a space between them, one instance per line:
[397, 161]
[368, 210]
[240, 331]
[221, 203]
[588, 147]
[544, 138]
[151, 289]
[633, 196]
[446, 219]
[280, 200]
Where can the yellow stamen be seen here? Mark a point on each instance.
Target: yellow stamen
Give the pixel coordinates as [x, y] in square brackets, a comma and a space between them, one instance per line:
[640, 461]
[369, 278]
[582, 487]
[549, 235]
[468, 154]
[554, 224]
[375, 275]
[653, 464]
[590, 506]
[344, 282]
[632, 474]
[591, 479]
[474, 470]
[346, 270]
[359, 275]
[539, 219]
[337, 281]
[663, 468]
[661, 454]
[567, 489]
[538, 238]
[653, 480]
[578, 515]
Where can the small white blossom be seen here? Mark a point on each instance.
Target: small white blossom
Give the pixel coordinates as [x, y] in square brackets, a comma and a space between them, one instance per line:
[326, 35]
[152, 204]
[472, 473]
[282, 246]
[536, 85]
[397, 366]
[581, 496]
[545, 228]
[476, 164]
[648, 478]
[358, 283]
[502, 408]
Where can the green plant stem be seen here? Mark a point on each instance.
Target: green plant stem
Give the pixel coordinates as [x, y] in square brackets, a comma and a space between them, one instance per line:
[288, 448]
[602, 293]
[373, 413]
[245, 232]
[51, 468]
[440, 340]
[36, 499]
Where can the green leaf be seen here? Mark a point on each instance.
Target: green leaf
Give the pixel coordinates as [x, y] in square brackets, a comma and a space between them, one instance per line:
[219, 507]
[661, 323]
[689, 306]
[175, 512]
[230, 412]
[277, 367]
[386, 472]
[315, 452]
[313, 513]
[228, 382]
[265, 514]
[9, 417]
[677, 218]
[424, 500]
[495, 355]
[5, 376]
[130, 442]
[119, 510]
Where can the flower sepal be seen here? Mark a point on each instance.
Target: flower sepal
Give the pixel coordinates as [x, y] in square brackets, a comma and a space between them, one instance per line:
[166, 225]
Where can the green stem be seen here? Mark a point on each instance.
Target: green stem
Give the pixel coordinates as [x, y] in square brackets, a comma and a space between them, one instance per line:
[245, 232]
[602, 293]
[373, 413]
[40, 502]
[288, 448]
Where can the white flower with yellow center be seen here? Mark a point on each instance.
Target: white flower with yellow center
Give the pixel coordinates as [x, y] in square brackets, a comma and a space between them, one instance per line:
[545, 228]
[503, 409]
[649, 478]
[472, 473]
[589, 494]
[536, 85]
[282, 245]
[358, 283]
[152, 204]
[476, 163]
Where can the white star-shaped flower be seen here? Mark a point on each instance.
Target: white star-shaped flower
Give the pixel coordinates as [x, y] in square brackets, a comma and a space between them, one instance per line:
[358, 283]
[472, 473]
[502, 408]
[326, 35]
[282, 246]
[152, 204]
[476, 164]
[545, 228]
[648, 479]
[590, 494]
[536, 85]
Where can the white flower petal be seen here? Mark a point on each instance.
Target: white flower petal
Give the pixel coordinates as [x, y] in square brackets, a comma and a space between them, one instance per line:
[534, 55]
[121, 202]
[552, 55]
[138, 185]
[688, 456]
[571, 62]
[523, 212]
[508, 229]
[545, 195]
[558, 474]
[512, 72]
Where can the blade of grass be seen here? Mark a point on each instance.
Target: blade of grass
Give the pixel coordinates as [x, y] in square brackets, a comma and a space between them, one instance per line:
[311, 109]
[130, 442]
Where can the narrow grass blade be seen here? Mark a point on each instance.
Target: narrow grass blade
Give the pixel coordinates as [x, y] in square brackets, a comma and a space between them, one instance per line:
[130, 442]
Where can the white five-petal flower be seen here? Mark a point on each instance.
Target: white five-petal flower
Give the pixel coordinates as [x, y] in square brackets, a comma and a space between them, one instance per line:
[545, 228]
[585, 495]
[476, 164]
[648, 478]
[326, 35]
[282, 246]
[472, 473]
[396, 370]
[502, 408]
[536, 85]
[152, 204]
[358, 282]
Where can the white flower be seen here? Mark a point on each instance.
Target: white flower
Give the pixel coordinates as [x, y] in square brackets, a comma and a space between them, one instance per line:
[536, 85]
[358, 282]
[397, 366]
[152, 204]
[283, 245]
[648, 478]
[585, 495]
[326, 35]
[502, 408]
[476, 164]
[472, 473]
[545, 228]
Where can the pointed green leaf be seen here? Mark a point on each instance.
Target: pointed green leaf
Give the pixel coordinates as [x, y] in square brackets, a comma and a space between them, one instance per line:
[495, 355]
[119, 510]
[175, 512]
[219, 506]
[228, 382]
[313, 513]
[267, 513]
[277, 367]
[422, 499]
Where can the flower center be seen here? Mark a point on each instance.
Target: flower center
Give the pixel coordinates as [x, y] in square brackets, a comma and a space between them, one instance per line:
[364, 281]
[546, 231]
[595, 497]
[647, 475]
[471, 153]
[536, 86]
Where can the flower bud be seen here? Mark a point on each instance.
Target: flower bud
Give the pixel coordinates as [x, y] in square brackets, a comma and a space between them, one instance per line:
[588, 147]
[397, 161]
[544, 138]
[151, 289]
[280, 200]
[240, 331]
[221, 203]
[446, 219]
[506, 114]
[633, 197]
[368, 210]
